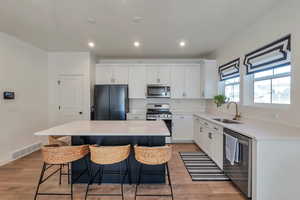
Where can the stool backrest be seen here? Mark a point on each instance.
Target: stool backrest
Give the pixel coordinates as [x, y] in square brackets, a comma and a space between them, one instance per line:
[105, 155]
[56, 140]
[153, 155]
[55, 154]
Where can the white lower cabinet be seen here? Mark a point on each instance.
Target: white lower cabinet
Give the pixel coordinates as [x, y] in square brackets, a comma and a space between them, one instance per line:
[182, 129]
[209, 137]
[196, 130]
[216, 148]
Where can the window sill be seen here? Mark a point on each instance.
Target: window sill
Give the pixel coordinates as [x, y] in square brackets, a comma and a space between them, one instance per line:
[270, 106]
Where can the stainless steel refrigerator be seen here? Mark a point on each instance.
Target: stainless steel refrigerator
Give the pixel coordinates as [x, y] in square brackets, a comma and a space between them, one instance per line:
[111, 102]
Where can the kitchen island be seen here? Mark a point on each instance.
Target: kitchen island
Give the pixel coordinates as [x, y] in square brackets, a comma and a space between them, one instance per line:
[111, 133]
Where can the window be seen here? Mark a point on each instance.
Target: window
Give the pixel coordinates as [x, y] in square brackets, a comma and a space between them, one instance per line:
[272, 86]
[232, 89]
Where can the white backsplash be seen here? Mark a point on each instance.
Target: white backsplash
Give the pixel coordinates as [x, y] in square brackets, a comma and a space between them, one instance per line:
[177, 106]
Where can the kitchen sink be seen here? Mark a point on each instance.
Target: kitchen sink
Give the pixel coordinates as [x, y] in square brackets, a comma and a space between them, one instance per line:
[227, 121]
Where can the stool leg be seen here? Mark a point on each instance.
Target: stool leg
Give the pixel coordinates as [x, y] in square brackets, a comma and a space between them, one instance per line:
[71, 188]
[169, 180]
[101, 174]
[128, 171]
[40, 180]
[69, 173]
[60, 169]
[138, 179]
[92, 177]
[122, 180]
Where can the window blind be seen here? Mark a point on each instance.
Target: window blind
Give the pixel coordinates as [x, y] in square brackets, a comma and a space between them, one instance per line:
[273, 55]
[230, 70]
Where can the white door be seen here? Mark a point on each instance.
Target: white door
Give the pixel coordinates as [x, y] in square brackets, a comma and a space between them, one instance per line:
[177, 82]
[193, 82]
[204, 140]
[137, 82]
[70, 98]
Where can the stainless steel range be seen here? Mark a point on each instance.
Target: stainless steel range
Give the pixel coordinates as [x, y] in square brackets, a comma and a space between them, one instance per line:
[160, 112]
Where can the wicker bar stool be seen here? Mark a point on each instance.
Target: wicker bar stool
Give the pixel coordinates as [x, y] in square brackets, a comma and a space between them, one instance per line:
[108, 155]
[153, 156]
[58, 155]
[61, 141]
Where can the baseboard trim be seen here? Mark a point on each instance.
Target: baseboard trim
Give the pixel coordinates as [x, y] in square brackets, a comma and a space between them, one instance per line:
[22, 152]
[182, 141]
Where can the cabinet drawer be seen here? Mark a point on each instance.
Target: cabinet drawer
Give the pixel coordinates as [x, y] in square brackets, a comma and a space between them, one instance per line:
[204, 123]
[216, 128]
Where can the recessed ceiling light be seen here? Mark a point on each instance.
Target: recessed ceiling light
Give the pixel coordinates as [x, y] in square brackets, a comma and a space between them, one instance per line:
[182, 43]
[91, 44]
[137, 44]
[91, 20]
[137, 19]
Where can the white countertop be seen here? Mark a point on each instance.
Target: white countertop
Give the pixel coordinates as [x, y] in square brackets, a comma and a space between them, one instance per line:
[109, 128]
[259, 130]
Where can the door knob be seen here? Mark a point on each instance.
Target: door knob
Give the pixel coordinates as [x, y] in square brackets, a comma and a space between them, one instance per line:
[80, 113]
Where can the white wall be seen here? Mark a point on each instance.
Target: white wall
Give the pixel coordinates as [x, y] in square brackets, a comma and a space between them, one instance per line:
[68, 63]
[278, 22]
[23, 69]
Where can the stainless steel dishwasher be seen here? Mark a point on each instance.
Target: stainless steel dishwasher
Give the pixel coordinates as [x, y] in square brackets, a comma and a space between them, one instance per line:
[241, 172]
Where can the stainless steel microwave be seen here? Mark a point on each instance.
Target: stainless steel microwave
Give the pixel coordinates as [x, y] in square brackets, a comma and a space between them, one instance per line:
[158, 91]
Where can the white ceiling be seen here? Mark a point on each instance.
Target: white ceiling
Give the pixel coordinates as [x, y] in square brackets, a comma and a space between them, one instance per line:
[62, 25]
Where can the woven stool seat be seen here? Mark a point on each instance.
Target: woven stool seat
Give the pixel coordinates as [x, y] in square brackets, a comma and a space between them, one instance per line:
[55, 154]
[105, 155]
[153, 155]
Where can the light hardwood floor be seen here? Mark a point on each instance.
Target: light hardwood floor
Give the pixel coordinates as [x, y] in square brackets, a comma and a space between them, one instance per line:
[18, 181]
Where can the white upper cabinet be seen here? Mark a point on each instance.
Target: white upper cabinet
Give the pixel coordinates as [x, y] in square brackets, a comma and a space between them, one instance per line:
[186, 81]
[178, 82]
[193, 82]
[158, 75]
[209, 78]
[137, 82]
[111, 74]
[103, 74]
[120, 74]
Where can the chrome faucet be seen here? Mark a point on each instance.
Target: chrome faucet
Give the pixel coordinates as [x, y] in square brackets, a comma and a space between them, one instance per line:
[237, 113]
